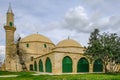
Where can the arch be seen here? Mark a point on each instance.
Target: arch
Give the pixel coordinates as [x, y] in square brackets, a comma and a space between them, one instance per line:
[48, 65]
[83, 65]
[66, 64]
[31, 67]
[40, 66]
[35, 66]
[98, 66]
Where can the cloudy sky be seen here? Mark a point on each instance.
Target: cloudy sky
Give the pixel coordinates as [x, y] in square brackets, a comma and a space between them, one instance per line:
[58, 19]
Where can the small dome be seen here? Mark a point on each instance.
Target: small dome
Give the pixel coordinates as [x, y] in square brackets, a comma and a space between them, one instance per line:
[68, 43]
[36, 37]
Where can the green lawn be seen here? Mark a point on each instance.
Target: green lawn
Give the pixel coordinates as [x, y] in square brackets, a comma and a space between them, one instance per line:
[29, 76]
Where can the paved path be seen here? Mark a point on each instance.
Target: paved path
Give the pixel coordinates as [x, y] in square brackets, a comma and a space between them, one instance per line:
[42, 73]
[8, 75]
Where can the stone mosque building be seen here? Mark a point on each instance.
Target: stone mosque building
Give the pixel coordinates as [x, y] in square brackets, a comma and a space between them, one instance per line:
[38, 53]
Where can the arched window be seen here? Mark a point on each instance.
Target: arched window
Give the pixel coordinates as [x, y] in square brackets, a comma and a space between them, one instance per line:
[48, 65]
[45, 46]
[35, 66]
[98, 66]
[31, 67]
[10, 24]
[83, 65]
[40, 66]
[66, 64]
[27, 45]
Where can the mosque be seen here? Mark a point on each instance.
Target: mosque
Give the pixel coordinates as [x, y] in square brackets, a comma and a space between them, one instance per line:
[36, 52]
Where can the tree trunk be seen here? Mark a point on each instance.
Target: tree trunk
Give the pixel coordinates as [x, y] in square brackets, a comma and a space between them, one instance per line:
[105, 66]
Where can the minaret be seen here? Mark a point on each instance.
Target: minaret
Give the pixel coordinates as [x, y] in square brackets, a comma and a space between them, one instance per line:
[9, 29]
[10, 17]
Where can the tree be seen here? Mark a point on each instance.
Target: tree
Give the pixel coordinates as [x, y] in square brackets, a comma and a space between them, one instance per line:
[93, 46]
[21, 55]
[105, 47]
[110, 50]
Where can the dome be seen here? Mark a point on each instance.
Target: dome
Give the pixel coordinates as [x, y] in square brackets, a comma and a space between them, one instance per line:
[68, 43]
[36, 37]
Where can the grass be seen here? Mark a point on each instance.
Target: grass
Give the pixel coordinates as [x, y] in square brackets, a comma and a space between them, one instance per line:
[29, 76]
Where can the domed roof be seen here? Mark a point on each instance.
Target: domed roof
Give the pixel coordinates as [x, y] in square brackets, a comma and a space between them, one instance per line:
[68, 43]
[36, 37]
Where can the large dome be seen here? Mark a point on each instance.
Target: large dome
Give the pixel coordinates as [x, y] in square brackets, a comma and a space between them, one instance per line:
[68, 43]
[36, 37]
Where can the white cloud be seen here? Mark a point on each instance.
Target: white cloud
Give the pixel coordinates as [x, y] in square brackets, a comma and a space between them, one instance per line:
[2, 49]
[2, 53]
[76, 18]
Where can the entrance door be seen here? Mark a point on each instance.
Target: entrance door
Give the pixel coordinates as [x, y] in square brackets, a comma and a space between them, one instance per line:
[98, 66]
[40, 66]
[83, 65]
[35, 66]
[66, 65]
[31, 67]
[48, 65]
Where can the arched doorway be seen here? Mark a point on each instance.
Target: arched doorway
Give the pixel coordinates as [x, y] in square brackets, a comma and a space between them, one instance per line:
[48, 65]
[83, 65]
[66, 64]
[40, 66]
[31, 67]
[35, 66]
[98, 66]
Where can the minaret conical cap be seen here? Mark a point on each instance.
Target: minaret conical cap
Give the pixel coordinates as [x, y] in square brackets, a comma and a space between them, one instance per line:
[9, 9]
